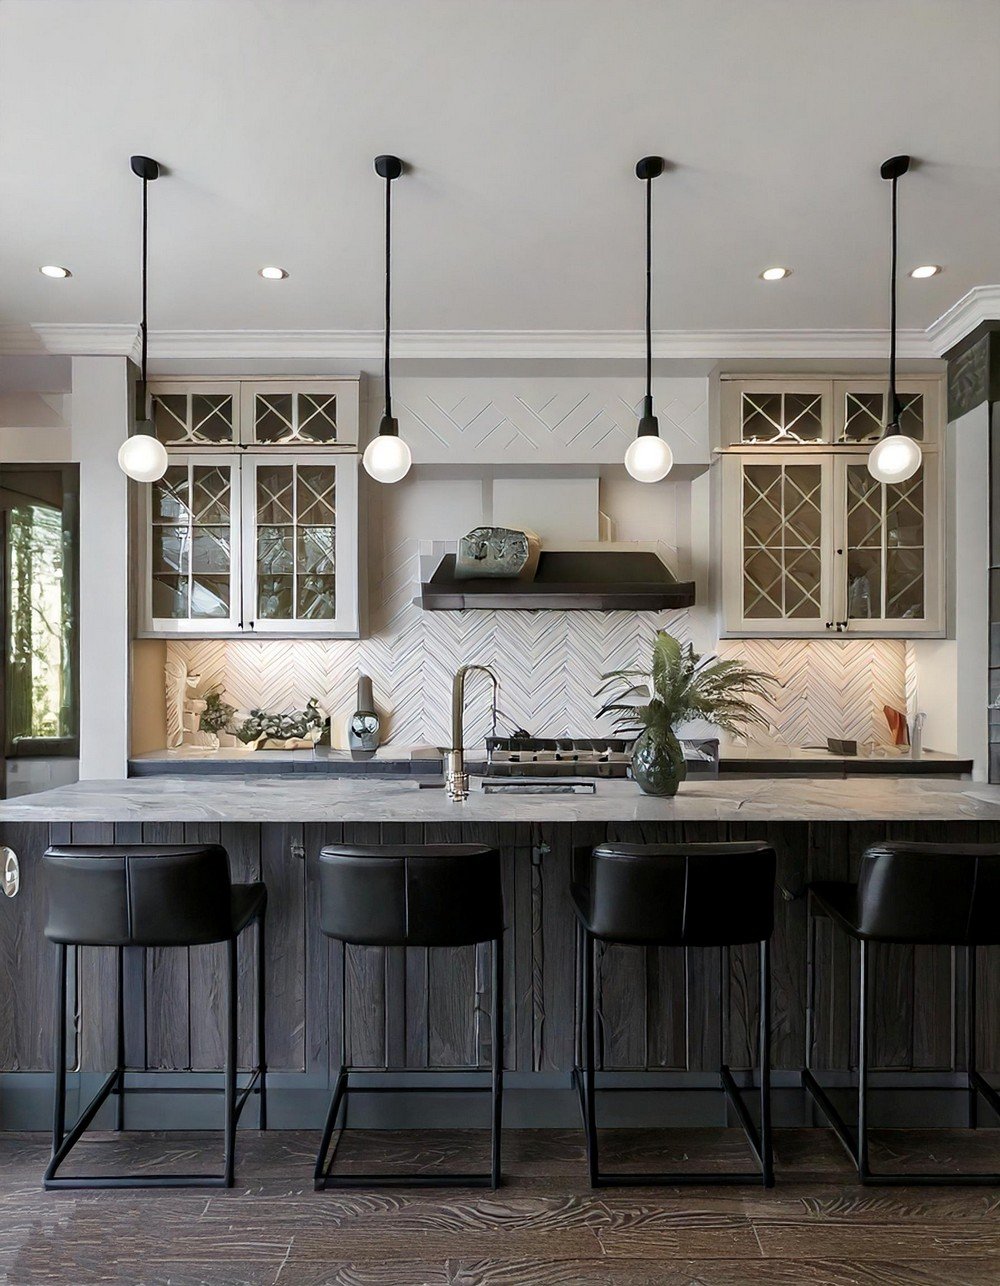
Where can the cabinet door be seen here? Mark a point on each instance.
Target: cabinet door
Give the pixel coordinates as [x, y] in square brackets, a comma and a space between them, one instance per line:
[300, 413]
[777, 413]
[859, 408]
[777, 534]
[195, 415]
[888, 556]
[192, 527]
[300, 562]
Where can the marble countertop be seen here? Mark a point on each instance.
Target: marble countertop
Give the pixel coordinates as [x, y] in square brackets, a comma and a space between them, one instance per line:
[310, 798]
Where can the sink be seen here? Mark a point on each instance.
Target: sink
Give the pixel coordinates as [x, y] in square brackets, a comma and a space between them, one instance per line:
[539, 785]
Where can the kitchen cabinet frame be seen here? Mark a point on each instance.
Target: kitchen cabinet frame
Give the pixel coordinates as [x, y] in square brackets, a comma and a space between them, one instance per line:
[835, 457]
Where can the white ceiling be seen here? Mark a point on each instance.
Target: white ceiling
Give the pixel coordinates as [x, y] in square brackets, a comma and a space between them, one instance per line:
[522, 121]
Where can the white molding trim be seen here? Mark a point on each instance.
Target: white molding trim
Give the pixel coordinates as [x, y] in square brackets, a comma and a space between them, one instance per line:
[979, 305]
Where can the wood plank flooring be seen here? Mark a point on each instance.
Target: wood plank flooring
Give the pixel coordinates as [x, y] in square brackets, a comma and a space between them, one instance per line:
[543, 1228]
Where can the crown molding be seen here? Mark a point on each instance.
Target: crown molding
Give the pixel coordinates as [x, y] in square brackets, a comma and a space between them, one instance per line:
[979, 305]
[70, 339]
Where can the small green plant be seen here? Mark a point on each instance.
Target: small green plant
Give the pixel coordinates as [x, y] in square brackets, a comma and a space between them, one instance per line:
[681, 685]
[217, 715]
[296, 724]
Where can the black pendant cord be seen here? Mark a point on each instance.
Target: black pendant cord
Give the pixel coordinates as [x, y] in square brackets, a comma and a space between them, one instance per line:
[388, 280]
[893, 426]
[142, 277]
[649, 288]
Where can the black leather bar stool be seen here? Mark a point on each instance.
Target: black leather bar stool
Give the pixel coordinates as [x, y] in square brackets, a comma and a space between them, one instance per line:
[681, 895]
[930, 894]
[417, 895]
[148, 895]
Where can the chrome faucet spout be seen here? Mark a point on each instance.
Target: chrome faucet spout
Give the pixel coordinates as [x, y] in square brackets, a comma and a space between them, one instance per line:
[456, 777]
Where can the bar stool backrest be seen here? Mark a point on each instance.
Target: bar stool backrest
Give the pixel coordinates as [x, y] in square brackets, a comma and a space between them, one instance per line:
[936, 893]
[678, 894]
[426, 895]
[139, 895]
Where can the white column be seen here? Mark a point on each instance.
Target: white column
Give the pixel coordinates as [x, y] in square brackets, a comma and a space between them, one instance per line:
[99, 422]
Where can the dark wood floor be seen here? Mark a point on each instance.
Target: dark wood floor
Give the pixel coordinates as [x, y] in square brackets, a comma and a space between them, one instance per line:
[545, 1226]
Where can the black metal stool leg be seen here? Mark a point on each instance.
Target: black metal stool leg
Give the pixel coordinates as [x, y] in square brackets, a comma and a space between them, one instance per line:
[589, 1023]
[497, 1069]
[231, 1059]
[863, 1015]
[59, 1053]
[120, 1100]
[766, 1136]
[970, 1035]
[261, 1022]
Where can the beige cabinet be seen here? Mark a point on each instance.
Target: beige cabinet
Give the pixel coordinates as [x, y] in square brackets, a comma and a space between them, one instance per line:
[812, 544]
[253, 530]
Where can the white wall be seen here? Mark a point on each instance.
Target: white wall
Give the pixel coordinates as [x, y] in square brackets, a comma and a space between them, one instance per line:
[90, 426]
[952, 674]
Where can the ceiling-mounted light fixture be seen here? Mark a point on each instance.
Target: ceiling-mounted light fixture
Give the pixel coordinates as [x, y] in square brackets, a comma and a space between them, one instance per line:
[775, 274]
[649, 458]
[387, 457]
[896, 457]
[54, 270]
[142, 455]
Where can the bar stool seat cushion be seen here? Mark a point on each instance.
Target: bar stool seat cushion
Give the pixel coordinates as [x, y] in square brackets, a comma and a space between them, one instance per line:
[908, 892]
[135, 895]
[411, 894]
[675, 894]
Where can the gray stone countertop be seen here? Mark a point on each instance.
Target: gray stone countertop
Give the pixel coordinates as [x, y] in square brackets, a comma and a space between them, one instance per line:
[314, 799]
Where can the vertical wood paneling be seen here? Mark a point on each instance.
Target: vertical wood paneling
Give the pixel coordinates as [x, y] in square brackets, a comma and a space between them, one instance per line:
[168, 1035]
[285, 877]
[134, 974]
[323, 1006]
[207, 981]
[364, 981]
[97, 978]
[27, 960]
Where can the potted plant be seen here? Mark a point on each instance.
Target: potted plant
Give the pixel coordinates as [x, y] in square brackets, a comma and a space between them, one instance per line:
[680, 686]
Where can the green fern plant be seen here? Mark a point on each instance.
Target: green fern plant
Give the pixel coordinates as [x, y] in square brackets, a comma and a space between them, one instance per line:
[681, 685]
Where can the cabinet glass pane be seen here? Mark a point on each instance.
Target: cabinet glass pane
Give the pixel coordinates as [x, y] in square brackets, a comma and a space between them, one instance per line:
[190, 543]
[782, 530]
[201, 419]
[296, 542]
[885, 547]
[285, 419]
[781, 417]
[864, 416]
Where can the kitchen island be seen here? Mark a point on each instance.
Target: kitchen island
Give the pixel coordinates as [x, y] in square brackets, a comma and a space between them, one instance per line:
[386, 1009]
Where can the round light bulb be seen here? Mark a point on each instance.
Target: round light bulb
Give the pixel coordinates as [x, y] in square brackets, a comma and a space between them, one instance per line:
[648, 458]
[143, 458]
[387, 458]
[895, 458]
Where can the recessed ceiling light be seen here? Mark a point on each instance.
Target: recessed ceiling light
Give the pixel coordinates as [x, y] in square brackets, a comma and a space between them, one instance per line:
[273, 274]
[53, 270]
[926, 270]
[775, 274]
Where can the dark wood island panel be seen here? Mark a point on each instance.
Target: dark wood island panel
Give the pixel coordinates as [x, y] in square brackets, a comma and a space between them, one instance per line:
[659, 1008]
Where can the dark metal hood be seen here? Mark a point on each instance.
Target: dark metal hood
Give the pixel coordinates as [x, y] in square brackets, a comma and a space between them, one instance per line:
[597, 580]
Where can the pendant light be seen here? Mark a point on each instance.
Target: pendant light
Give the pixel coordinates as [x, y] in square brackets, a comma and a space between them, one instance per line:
[142, 455]
[387, 457]
[649, 458]
[896, 457]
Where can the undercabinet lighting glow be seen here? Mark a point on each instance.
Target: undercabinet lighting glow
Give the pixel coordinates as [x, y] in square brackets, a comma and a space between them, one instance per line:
[273, 274]
[54, 270]
[775, 274]
[925, 270]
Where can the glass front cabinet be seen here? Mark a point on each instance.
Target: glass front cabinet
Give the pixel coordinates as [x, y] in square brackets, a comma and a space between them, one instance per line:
[253, 530]
[813, 546]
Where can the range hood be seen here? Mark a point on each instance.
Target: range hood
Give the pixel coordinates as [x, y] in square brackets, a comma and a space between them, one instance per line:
[596, 577]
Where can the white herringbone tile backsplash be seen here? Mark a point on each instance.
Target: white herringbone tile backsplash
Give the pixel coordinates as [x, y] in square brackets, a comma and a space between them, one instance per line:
[549, 664]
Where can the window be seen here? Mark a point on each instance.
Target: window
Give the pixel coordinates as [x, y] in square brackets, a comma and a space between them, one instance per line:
[38, 681]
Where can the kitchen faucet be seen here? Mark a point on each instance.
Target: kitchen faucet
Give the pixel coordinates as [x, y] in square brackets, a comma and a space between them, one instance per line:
[456, 778]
